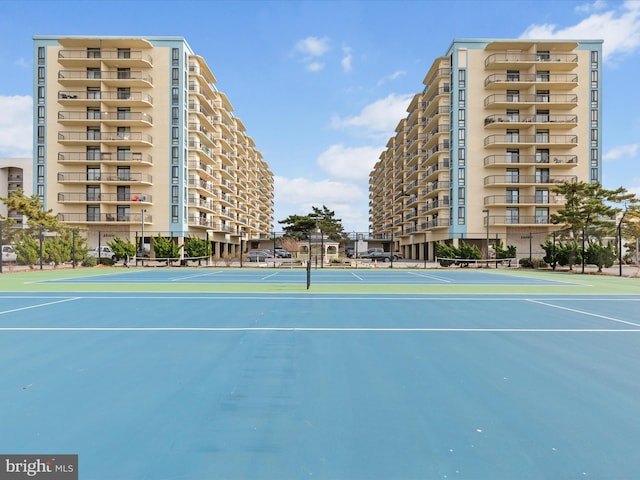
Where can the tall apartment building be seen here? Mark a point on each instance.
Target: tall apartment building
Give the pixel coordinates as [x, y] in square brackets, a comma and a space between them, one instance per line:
[15, 174]
[497, 125]
[131, 135]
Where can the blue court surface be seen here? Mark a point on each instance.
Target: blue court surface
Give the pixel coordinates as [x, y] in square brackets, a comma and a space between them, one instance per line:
[171, 385]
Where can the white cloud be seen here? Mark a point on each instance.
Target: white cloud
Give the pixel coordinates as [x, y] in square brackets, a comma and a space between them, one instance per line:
[349, 163]
[346, 59]
[592, 7]
[622, 151]
[16, 126]
[296, 196]
[618, 27]
[312, 46]
[315, 66]
[391, 77]
[381, 116]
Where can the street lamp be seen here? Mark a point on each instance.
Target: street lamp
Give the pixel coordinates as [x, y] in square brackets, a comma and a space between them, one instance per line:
[486, 210]
[142, 236]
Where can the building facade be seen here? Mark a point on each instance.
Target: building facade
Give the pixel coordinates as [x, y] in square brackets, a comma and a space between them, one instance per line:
[497, 125]
[15, 174]
[132, 136]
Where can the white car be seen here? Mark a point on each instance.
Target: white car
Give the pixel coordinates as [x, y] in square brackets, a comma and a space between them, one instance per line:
[8, 254]
[102, 252]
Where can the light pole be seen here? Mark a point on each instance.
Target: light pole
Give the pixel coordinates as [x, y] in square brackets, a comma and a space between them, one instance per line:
[142, 236]
[620, 241]
[486, 211]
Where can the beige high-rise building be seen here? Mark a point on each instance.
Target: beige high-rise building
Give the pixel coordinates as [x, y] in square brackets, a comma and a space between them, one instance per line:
[497, 125]
[131, 135]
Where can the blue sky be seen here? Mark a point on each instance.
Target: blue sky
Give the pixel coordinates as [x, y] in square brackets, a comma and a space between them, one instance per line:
[321, 85]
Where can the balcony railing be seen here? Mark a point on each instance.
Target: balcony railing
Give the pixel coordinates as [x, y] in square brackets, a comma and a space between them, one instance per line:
[524, 200]
[106, 157]
[132, 218]
[532, 118]
[524, 58]
[128, 75]
[84, 197]
[539, 139]
[120, 55]
[126, 137]
[510, 79]
[105, 95]
[520, 220]
[547, 99]
[107, 116]
[97, 177]
[530, 179]
[518, 159]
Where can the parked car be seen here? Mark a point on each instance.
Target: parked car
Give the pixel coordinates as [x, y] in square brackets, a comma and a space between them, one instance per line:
[258, 255]
[103, 251]
[380, 254]
[282, 253]
[8, 254]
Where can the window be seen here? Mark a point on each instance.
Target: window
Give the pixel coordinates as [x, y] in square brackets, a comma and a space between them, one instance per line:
[93, 133]
[542, 136]
[40, 173]
[175, 114]
[93, 174]
[175, 76]
[513, 115]
[124, 73]
[594, 175]
[513, 195]
[93, 73]
[41, 55]
[594, 98]
[594, 59]
[93, 113]
[542, 76]
[124, 133]
[462, 156]
[124, 113]
[462, 77]
[542, 175]
[124, 93]
[93, 53]
[124, 173]
[40, 114]
[175, 57]
[543, 56]
[175, 96]
[93, 93]
[174, 213]
[594, 117]
[513, 215]
[542, 96]
[461, 137]
[40, 94]
[513, 75]
[542, 116]
[461, 117]
[93, 153]
[93, 213]
[174, 194]
[124, 53]
[93, 193]
[542, 195]
[124, 154]
[594, 79]
[461, 98]
[542, 215]
[594, 157]
[124, 193]
[513, 135]
[513, 175]
[542, 155]
[461, 176]
[513, 95]
[513, 156]
[40, 134]
[122, 213]
[40, 75]
[461, 196]
[594, 137]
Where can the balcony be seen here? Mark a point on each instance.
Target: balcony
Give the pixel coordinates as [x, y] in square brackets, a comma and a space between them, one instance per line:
[111, 218]
[521, 220]
[117, 198]
[435, 223]
[114, 57]
[103, 177]
[558, 81]
[521, 141]
[96, 137]
[524, 200]
[521, 60]
[509, 160]
[540, 100]
[108, 118]
[106, 158]
[541, 179]
[524, 120]
[83, 98]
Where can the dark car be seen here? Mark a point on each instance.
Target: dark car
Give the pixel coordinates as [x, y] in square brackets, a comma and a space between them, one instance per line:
[258, 255]
[282, 253]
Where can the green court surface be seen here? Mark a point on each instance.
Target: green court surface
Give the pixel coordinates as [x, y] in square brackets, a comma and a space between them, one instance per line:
[205, 373]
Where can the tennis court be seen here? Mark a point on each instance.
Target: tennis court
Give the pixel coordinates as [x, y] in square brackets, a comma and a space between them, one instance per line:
[160, 373]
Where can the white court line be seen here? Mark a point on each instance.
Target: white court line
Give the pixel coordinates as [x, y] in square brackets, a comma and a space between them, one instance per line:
[357, 276]
[269, 276]
[38, 306]
[314, 329]
[583, 312]
[430, 276]
[177, 279]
